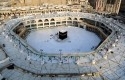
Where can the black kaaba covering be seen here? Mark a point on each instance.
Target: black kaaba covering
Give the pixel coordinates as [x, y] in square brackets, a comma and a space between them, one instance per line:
[62, 35]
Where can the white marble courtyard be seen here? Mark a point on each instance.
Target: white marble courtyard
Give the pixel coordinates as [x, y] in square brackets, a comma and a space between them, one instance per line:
[78, 40]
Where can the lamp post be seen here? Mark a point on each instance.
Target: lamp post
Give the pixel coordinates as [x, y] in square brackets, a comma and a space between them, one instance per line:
[27, 49]
[41, 53]
[60, 54]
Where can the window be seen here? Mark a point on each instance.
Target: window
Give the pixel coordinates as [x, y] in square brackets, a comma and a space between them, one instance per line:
[111, 1]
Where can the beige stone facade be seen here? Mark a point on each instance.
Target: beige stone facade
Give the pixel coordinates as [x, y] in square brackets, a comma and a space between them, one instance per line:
[41, 2]
[108, 6]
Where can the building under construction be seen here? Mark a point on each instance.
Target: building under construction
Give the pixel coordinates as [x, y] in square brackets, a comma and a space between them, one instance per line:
[108, 6]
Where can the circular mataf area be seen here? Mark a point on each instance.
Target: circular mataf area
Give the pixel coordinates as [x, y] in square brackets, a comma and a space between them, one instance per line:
[78, 40]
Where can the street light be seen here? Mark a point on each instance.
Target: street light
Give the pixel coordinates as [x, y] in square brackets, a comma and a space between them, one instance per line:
[60, 54]
[41, 53]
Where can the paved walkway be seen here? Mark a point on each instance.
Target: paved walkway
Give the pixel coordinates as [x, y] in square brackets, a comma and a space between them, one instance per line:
[109, 63]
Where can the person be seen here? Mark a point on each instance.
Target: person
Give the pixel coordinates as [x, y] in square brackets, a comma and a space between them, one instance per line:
[3, 45]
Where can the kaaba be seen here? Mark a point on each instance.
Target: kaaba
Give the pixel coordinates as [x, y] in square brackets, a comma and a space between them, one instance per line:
[62, 35]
